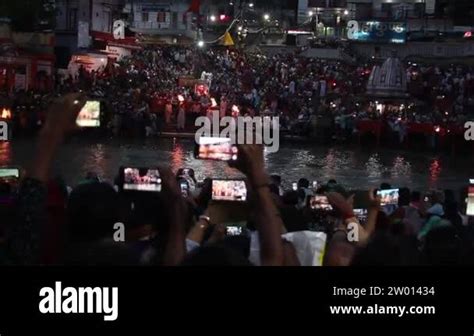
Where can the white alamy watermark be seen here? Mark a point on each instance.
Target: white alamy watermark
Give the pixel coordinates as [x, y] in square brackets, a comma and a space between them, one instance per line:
[469, 133]
[353, 232]
[241, 130]
[4, 131]
[83, 300]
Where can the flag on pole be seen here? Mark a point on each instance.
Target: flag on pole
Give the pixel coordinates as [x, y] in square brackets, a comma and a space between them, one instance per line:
[227, 40]
[195, 7]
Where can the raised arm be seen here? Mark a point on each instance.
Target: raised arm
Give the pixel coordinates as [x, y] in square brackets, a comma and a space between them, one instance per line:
[24, 236]
[60, 120]
[268, 219]
[374, 208]
[175, 240]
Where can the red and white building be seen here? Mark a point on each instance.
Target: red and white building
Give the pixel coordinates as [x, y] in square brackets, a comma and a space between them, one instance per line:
[27, 60]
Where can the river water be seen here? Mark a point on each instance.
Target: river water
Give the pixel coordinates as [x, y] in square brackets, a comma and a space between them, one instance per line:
[356, 167]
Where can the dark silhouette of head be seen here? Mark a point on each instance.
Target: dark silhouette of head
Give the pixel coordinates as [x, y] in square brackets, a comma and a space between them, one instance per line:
[93, 209]
[303, 183]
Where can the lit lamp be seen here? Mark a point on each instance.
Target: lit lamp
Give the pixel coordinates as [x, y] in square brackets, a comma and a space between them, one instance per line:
[6, 114]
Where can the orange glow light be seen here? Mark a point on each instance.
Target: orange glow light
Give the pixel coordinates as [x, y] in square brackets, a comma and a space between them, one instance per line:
[6, 114]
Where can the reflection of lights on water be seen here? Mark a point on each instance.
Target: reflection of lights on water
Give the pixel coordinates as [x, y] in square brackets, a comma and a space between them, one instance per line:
[374, 167]
[5, 153]
[177, 157]
[435, 170]
[401, 168]
[97, 162]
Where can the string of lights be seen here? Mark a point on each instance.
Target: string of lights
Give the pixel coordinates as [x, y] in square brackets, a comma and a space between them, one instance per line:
[228, 29]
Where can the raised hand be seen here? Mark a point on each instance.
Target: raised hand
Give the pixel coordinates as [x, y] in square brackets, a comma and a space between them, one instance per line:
[63, 113]
[60, 120]
[250, 162]
[342, 205]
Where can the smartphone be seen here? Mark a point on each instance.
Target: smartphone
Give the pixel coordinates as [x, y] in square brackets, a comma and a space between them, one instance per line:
[294, 186]
[361, 214]
[141, 179]
[320, 202]
[234, 231]
[470, 201]
[229, 190]
[217, 149]
[184, 185]
[389, 196]
[9, 173]
[89, 116]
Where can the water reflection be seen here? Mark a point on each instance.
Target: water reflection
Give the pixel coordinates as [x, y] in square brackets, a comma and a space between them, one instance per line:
[177, 157]
[5, 153]
[435, 172]
[401, 168]
[374, 167]
[354, 167]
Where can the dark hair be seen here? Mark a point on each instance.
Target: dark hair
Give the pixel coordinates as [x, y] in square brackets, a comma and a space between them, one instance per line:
[290, 198]
[5, 189]
[93, 210]
[442, 247]
[276, 179]
[415, 196]
[386, 249]
[385, 186]
[274, 189]
[449, 196]
[303, 183]
[404, 197]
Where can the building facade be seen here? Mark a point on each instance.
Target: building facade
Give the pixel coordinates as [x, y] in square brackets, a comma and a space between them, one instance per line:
[76, 20]
[331, 16]
[170, 21]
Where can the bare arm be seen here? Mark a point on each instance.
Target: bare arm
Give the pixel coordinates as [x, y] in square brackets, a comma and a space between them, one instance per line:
[268, 219]
[374, 208]
[175, 242]
[61, 119]
[25, 237]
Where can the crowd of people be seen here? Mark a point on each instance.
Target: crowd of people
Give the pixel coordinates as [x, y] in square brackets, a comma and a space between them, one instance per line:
[144, 94]
[45, 222]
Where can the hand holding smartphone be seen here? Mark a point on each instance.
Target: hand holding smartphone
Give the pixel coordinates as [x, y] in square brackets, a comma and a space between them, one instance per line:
[141, 179]
[218, 149]
[89, 117]
[229, 190]
[9, 173]
[234, 231]
[389, 196]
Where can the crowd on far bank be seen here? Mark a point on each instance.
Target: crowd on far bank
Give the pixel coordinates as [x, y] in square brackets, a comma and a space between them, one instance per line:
[146, 93]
